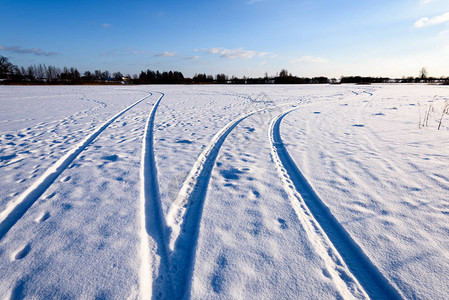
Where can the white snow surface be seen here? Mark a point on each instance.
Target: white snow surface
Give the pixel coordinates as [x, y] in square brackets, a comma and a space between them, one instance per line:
[245, 187]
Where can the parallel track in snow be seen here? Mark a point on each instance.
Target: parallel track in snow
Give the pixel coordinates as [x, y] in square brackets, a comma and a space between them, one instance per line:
[154, 273]
[185, 214]
[349, 266]
[18, 207]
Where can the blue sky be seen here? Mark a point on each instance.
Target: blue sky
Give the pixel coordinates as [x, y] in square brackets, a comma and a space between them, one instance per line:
[392, 38]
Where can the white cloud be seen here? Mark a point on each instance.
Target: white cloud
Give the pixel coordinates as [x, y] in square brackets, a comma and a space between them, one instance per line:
[310, 59]
[423, 22]
[166, 54]
[214, 50]
[426, 1]
[235, 53]
[106, 25]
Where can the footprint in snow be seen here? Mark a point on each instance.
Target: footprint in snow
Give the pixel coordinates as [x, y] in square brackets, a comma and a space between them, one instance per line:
[184, 142]
[17, 292]
[42, 218]
[67, 178]
[231, 174]
[326, 273]
[283, 223]
[66, 206]
[7, 157]
[50, 195]
[110, 157]
[218, 281]
[256, 194]
[22, 252]
[257, 227]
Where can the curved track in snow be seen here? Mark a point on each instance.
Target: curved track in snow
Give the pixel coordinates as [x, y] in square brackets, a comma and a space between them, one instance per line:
[331, 239]
[18, 207]
[184, 216]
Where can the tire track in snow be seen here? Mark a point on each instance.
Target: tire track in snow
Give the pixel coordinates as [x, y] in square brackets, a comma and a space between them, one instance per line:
[346, 261]
[185, 214]
[18, 207]
[154, 280]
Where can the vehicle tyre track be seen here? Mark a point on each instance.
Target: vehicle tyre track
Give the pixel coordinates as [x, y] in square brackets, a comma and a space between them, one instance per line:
[185, 213]
[17, 208]
[351, 269]
[155, 281]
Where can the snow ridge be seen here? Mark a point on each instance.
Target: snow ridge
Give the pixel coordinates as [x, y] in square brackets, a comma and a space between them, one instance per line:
[18, 207]
[350, 268]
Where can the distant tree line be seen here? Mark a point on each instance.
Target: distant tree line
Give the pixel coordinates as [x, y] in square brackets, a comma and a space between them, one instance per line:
[369, 80]
[156, 77]
[42, 74]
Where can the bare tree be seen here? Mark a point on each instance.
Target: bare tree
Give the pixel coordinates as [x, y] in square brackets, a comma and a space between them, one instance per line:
[283, 73]
[5, 67]
[98, 75]
[31, 72]
[423, 73]
[117, 76]
[106, 75]
[41, 71]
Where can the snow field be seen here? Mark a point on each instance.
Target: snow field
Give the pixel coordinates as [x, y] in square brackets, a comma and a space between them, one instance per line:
[383, 179]
[188, 194]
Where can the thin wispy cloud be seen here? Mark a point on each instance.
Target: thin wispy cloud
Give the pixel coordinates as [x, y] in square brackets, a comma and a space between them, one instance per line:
[444, 34]
[253, 1]
[120, 52]
[191, 57]
[103, 25]
[426, 1]
[235, 53]
[309, 59]
[20, 50]
[174, 54]
[424, 22]
[165, 54]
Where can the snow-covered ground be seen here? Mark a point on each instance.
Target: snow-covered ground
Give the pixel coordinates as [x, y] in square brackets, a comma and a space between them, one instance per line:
[229, 192]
